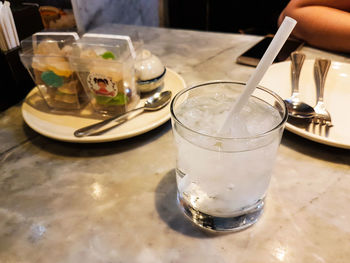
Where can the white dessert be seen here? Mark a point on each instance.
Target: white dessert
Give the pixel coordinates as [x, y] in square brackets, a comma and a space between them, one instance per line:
[149, 71]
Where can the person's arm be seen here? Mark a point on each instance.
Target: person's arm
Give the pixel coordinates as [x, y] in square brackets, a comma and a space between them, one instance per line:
[321, 23]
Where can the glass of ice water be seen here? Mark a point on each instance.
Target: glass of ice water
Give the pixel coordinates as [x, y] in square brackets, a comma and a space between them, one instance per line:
[222, 178]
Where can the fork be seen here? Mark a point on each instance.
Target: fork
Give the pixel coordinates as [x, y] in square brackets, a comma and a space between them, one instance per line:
[322, 116]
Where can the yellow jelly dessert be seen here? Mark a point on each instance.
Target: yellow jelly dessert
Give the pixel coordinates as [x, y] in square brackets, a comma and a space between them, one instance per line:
[59, 66]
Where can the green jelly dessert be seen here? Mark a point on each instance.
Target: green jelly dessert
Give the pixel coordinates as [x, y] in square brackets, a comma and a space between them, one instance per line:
[108, 55]
[51, 79]
[120, 99]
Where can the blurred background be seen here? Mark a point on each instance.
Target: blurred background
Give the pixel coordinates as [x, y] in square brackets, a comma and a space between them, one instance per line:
[250, 17]
[30, 16]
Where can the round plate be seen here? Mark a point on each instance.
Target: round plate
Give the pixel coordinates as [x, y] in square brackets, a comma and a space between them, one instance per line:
[61, 126]
[336, 98]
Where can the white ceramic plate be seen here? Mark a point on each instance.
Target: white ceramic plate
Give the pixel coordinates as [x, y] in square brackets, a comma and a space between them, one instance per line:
[336, 98]
[61, 127]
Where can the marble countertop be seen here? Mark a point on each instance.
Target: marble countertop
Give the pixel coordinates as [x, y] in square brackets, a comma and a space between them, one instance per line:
[115, 202]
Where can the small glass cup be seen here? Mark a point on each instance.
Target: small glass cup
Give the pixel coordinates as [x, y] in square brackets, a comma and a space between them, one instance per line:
[222, 180]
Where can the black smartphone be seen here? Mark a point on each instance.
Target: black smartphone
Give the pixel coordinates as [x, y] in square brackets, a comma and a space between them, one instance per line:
[253, 55]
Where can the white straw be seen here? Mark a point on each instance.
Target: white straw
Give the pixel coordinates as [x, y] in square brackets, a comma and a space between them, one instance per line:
[8, 27]
[12, 22]
[3, 26]
[272, 51]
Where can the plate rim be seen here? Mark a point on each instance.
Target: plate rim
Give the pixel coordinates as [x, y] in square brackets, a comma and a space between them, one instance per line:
[314, 137]
[305, 134]
[102, 138]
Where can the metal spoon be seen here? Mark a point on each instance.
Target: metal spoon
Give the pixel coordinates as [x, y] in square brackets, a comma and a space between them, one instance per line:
[297, 108]
[156, 102]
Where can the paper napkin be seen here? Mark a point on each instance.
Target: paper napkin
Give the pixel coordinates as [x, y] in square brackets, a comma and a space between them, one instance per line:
[8, 31]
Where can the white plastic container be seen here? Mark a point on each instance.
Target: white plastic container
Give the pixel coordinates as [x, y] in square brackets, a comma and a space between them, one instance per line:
[150, 71]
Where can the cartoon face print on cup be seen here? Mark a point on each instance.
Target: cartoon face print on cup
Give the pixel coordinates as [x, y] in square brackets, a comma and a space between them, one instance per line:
[102, 85]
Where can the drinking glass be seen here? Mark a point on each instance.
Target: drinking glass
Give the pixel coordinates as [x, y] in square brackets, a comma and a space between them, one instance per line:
[222, 178]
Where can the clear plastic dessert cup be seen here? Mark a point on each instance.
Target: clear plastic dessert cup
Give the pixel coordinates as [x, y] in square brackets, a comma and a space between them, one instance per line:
[223, 176]
[105, 66]
[45, 55]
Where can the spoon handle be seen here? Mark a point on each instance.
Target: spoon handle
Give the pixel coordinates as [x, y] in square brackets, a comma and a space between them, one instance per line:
[297, 59]
[87, 130]
[321, 68]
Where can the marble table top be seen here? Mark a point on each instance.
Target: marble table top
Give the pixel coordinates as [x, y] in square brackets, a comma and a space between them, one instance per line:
[115, 202]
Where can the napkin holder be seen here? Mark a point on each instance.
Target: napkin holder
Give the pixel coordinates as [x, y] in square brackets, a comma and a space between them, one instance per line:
[16, 81]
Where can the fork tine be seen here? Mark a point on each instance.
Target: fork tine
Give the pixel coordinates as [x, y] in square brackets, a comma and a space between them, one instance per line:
[316, 120]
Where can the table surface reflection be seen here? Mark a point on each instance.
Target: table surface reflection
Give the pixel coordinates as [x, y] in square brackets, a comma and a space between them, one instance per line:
[115, 201]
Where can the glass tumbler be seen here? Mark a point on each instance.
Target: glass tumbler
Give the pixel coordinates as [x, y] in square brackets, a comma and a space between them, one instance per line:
[222, 177]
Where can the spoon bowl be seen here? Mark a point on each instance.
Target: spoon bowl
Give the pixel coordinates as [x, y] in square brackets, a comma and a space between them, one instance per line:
[299, 109]
[153, 103]
[157, 101]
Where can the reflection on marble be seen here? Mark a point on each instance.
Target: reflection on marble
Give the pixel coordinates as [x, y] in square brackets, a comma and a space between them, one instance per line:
[115, 202]
[12, 129]
[90, 13]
